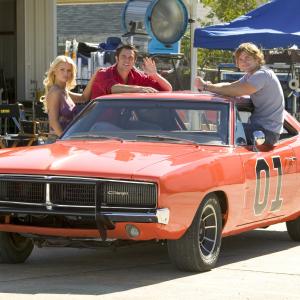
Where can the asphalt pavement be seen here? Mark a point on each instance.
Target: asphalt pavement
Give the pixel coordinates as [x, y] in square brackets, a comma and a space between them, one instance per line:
[261, 264]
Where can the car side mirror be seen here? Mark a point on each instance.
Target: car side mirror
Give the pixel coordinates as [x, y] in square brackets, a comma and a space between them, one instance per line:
[258, 139]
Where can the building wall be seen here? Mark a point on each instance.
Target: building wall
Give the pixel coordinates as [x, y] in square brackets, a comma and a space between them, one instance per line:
[36, 44]
[27, 45]
[91, 23]
[94, 22]
[88, 1]
[7, 48]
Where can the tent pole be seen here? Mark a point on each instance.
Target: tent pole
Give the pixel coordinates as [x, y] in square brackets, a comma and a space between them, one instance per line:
[193, 24]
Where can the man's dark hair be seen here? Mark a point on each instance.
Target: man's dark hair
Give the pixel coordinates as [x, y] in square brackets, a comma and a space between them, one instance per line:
[126, 46]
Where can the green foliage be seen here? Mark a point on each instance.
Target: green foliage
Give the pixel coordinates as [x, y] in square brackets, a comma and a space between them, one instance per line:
[206, 57]
[224, 11]
[227, 10]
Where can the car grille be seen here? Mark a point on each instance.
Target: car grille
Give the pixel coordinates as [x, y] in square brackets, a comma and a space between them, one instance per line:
[55, 191]
[20, 191]
[72, 194]
[128, 194]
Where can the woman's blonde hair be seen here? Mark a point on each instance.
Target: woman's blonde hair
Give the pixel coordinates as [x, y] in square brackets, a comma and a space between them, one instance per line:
[251, 50]
[49, 81]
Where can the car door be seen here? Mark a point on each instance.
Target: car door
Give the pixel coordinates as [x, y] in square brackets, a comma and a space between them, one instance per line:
[270, 180]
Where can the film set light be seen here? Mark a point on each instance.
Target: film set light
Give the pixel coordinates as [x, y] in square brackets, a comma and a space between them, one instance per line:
[155, 26]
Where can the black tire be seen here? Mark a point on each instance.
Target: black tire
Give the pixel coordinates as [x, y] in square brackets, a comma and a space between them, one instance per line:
[14, 248]
[293, 228]
[198, 249]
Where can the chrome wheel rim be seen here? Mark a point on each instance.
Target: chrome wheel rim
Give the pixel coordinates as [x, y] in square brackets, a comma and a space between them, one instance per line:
[208, 231]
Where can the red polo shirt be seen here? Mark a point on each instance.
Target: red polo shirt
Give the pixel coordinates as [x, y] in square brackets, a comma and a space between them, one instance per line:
[108, 77]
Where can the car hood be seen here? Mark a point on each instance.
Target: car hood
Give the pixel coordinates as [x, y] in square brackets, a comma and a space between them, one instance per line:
[113, 159]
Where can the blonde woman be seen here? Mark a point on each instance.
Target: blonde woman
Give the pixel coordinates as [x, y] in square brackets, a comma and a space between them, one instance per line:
[59, 101]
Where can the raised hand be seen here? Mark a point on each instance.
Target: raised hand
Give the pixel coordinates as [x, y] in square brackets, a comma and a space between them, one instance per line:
[149, 66]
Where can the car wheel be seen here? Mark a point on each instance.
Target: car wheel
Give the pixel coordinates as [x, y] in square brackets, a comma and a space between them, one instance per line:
[198, 249]
[293, 228]
[14, 248]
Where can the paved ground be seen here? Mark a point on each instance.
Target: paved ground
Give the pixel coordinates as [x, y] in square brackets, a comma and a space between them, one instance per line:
[262, 264]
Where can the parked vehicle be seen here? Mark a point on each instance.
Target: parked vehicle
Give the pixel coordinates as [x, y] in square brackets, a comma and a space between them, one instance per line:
[137, 167]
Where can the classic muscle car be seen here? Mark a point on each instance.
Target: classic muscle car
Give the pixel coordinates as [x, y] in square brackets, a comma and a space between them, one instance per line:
[172, 167]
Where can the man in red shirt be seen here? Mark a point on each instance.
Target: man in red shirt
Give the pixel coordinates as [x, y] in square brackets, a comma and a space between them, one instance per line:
[123, 77]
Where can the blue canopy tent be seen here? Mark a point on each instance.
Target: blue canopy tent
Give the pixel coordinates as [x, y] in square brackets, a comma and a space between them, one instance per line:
[272, 25]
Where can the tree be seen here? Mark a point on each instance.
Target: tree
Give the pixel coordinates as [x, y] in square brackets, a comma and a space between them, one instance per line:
[227, 10]
[224, 11]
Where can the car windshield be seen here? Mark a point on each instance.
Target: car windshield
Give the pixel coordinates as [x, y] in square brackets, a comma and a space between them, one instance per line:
[169, 121]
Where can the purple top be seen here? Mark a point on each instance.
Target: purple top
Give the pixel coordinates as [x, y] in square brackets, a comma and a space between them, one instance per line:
[67, 108]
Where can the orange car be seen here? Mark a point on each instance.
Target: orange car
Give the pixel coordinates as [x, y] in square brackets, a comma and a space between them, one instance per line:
[166, 166]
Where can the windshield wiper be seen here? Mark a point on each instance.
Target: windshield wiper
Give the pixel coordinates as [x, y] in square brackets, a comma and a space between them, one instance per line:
[95, 136]
[167, 139]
